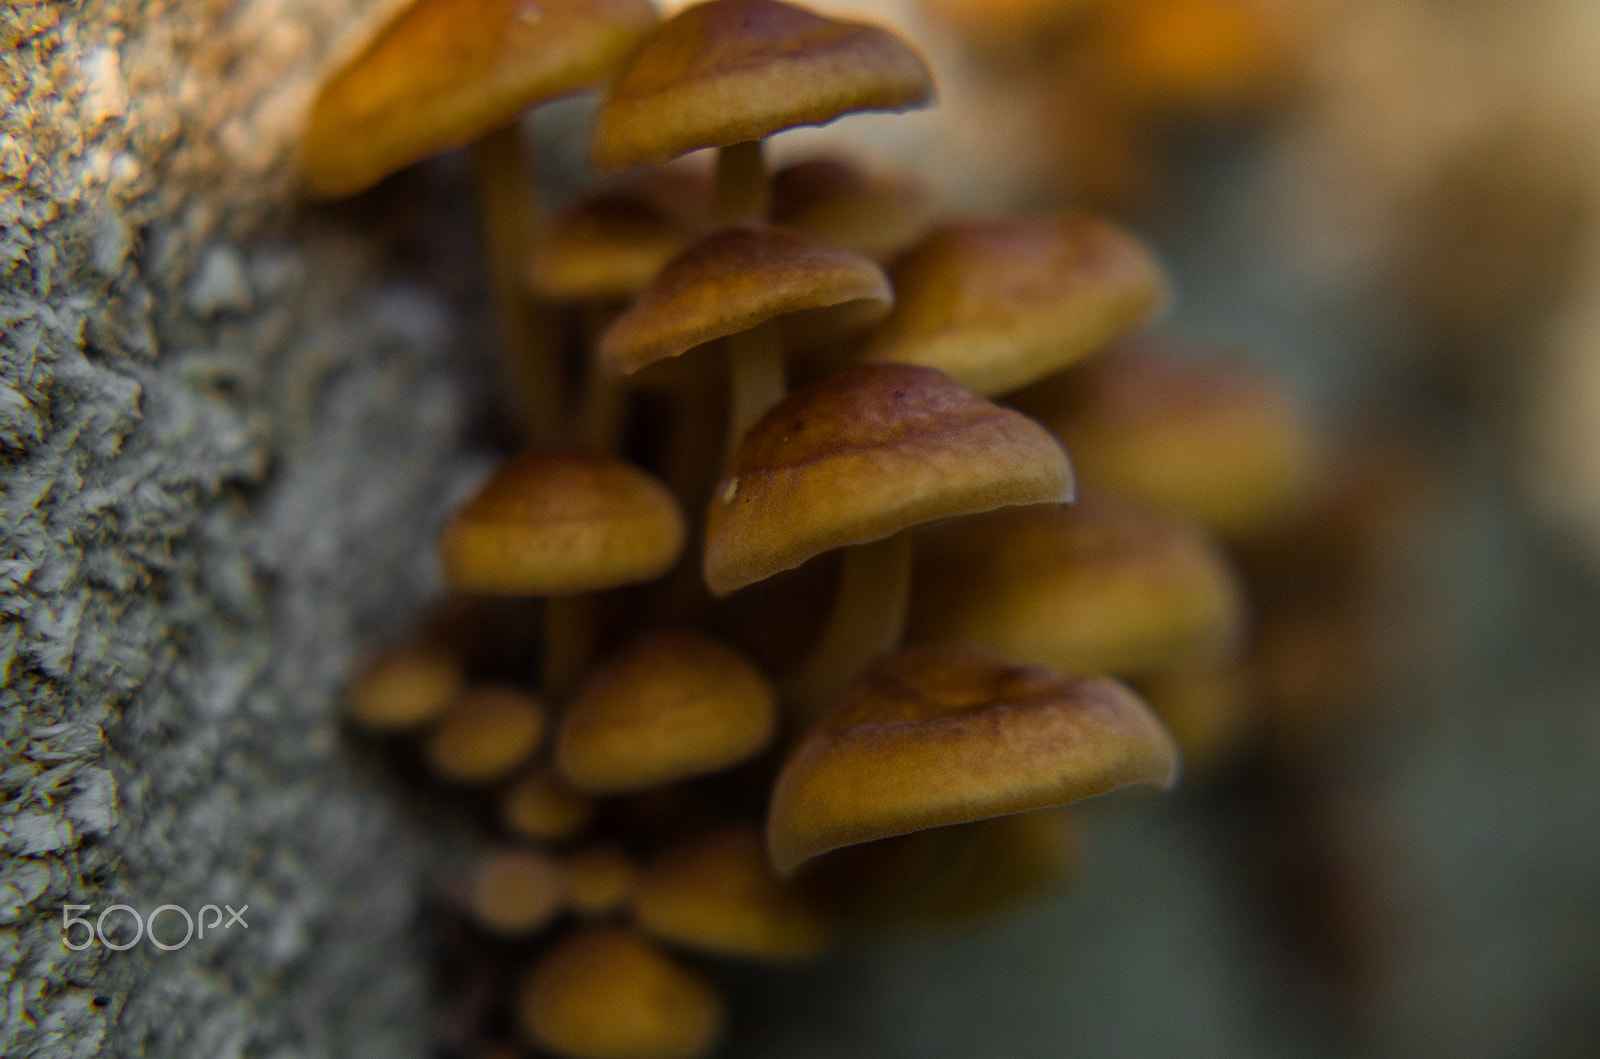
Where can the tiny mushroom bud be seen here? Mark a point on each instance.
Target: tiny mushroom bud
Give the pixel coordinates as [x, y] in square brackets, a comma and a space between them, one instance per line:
[939, 736]
[609, 994]
[486, 735]
[406, 688]
[716, 893]
[516, 891]
[997, 304]
[670, 705]
[541, 805]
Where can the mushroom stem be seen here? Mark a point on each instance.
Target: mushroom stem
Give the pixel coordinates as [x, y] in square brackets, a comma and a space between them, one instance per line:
[570, 627]
[868, 621]
[741, 193]
[602, 406]
[755, 360]
[508, 214]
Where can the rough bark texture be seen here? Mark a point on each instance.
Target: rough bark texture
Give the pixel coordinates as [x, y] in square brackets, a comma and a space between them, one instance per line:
[228, 430]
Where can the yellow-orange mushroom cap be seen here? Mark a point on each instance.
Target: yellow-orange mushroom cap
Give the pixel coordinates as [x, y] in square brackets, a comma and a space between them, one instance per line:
[540, 805]
[877, 214]
[716, 893]
[406, 687]
[609, 994]
[946, 735]
[736, 279]
[609, 247]
[446, 72]
[487, 733]
[733, 71]
[560, 522]
[1212, 440]
[516, 891]
[997, 304]
[601, 879]
[864, 454]
[1101, 587]
[670, 705]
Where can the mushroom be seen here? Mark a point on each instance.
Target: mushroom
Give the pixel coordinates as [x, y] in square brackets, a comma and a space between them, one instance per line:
[873, 213]
[446, 73]
[730, 73]
[608, 994]
[999, 303]
[936, 736]
[407, 687]
[540, 805]
[715, 893]
[516, 891]
[1211, 710]
[560, 524]
[853, 460]
[743, 284]
[487, 733]
[1101, 587]
[601, 879]
[1204, 439]
[670, 705]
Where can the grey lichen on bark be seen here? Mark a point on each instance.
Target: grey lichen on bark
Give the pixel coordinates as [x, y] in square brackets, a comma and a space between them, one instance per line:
[227, 434]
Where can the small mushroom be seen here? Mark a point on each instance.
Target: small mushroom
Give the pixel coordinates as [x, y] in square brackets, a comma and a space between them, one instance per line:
[715, 893]
[541, 806]
[486, 735]
[516, 891]
[852, 461]
[407, 687]
[997, 304]
[601, 879]
[1100, 587]
[878, 214]
[1204, 439]
[948, 735]
[609, 994]
[672, 704]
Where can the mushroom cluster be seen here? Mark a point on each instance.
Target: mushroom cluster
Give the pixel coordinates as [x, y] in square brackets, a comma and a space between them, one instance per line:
[798, 659]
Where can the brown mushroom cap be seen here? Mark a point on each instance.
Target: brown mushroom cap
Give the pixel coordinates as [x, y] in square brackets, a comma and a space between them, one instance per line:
[672, 704]
[715, 892]
[600, 879]
[487, 733]
[608, 994]
[997, 304]
[406, 687]
[947, 735]
[732, 71]
[1099, 587]
[608, 247]
[1210, 709]
[540, 805]
[562, 522]
[1210, 440]
[861, 455]
[735, 279]
[446, 72]
[516, 891]
[876, 214]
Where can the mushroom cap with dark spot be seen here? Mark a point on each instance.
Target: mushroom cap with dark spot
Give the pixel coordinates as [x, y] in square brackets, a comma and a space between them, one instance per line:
[946, 735]
[443, 73]
[862, 455]
[736, 279]
[731, 71]
[670, 705]
[560, 522]
[997, 304]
